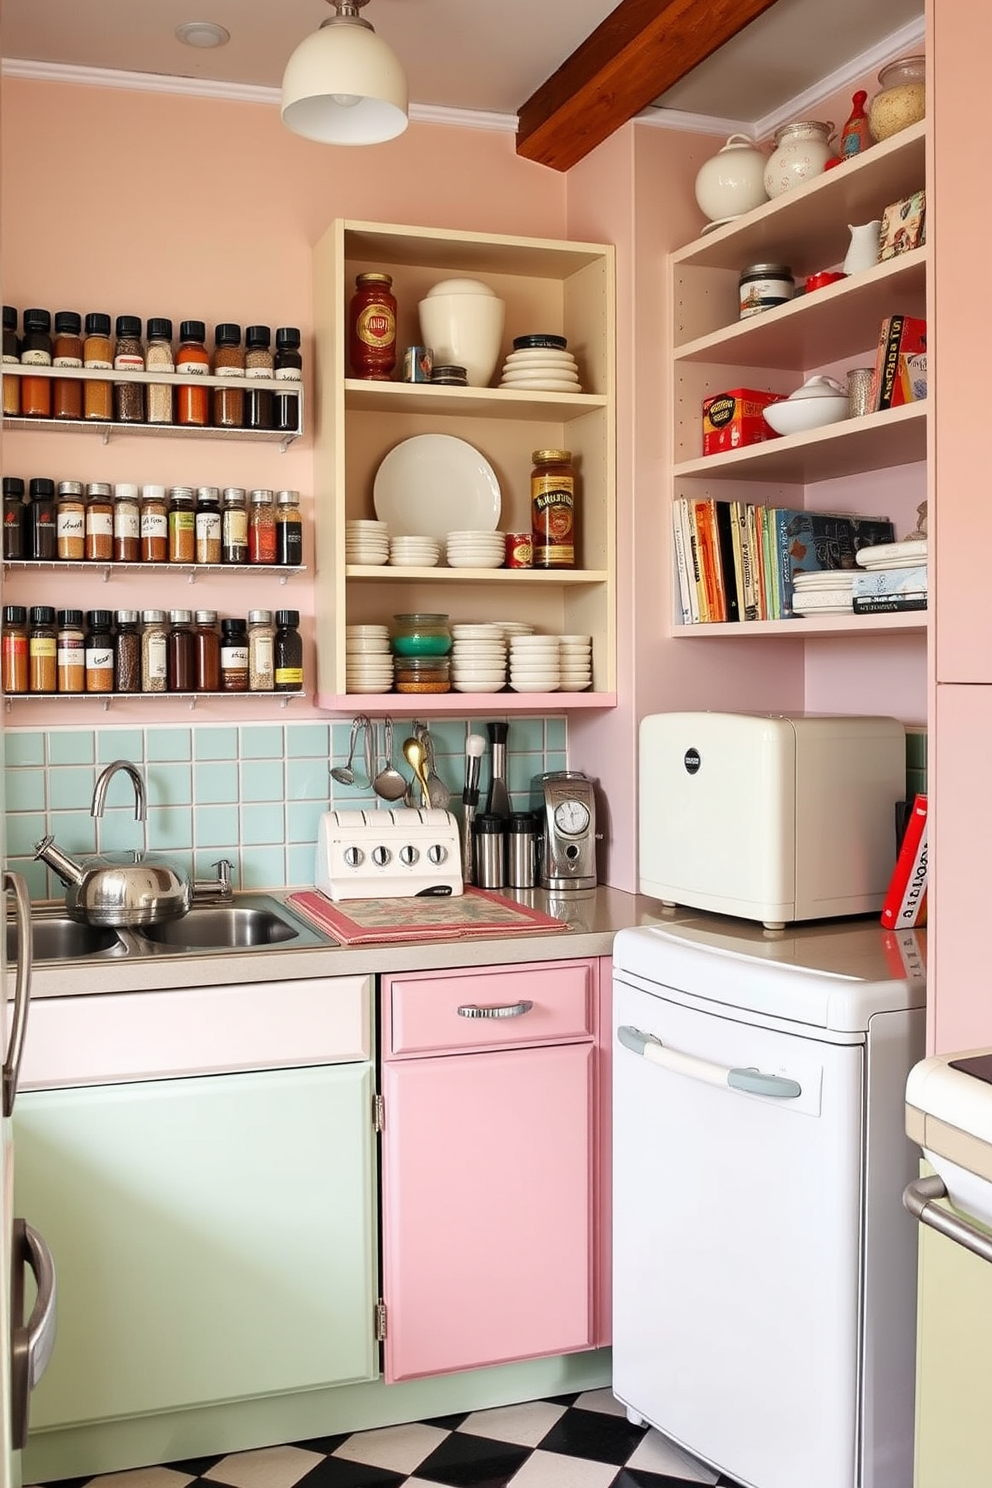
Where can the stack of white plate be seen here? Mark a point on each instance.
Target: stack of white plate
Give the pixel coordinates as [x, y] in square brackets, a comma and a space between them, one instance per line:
[476, 549]
[366, 542]
[478, 658]
[541, 369]
[575, 662]
[414, 552]
[534, 663]
[511, 628]
[826, 593]
[368, 659]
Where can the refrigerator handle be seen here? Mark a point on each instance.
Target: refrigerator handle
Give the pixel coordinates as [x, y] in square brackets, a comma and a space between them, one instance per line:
[752, 1081]
[31, 1342]
[920, 1198]
[14, 883]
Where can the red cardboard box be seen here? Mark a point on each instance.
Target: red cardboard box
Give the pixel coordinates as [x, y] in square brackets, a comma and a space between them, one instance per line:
[733, 419]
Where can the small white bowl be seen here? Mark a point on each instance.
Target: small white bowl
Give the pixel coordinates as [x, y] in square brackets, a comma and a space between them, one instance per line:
[798, 415]
[550, 685]
[480, 632]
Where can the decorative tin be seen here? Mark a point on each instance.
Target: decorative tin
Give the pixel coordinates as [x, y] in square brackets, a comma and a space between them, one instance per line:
[417, 364]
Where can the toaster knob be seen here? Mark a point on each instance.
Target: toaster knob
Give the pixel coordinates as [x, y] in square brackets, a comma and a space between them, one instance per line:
[437, 853]
[408, 855]
[381, 856]
[353, 856]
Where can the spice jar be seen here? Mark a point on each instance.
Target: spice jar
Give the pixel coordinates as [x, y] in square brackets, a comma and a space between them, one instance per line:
[552, 494]
[182, 525]
[287, 659]
[127, 523]
[420, 635]
[99, 651]
[372, 327]
[127, 652]
[36, 351]
[422, 674]
[154, 651]
[67, 351]
[14, 545]
[98, 396]
[192, 360]
[99, 523]
[158, 358]
[229, 361]
[261, 649]
[289, 529]
[154, 525]
[234, 526]
[233, 656]
[70, 652]
[208, 525]
[129, 356]
[180, 651]
[42, 650]
[903, 99]
[262, 528]
[14, 649]
[288, 370]
[11, 354]
[206, 651]
[762, 286]
[43, 543]
[70, 521]
[259, 363]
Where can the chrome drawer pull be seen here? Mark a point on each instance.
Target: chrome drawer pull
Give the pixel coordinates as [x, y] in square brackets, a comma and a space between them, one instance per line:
[920, 1198]
[494, 1010]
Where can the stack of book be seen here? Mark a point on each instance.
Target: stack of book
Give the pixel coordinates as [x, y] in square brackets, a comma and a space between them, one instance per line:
[737, 561]
[900, 374]
[891, 577]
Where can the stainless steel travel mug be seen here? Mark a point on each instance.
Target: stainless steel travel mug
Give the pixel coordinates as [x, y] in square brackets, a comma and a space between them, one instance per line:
[490, 851]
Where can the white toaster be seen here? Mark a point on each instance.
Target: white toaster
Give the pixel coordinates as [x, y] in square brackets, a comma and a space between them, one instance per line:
[769, 817]
[388, 854]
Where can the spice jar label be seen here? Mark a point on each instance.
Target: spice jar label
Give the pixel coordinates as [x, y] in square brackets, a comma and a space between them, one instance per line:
[59, 361]
[197, 369]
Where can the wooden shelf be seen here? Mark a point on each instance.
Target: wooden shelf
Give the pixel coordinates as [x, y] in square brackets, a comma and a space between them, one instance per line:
[910, 622]
[414, 705]
[501, 403]
[517, 577]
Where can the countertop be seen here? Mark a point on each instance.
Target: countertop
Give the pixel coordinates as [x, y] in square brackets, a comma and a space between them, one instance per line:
[593, 919]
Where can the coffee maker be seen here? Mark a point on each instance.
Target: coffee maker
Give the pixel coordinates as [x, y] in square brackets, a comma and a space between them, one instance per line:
[565, 805]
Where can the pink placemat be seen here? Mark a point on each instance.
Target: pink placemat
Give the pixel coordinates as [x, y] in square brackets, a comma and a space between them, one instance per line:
[371, 921]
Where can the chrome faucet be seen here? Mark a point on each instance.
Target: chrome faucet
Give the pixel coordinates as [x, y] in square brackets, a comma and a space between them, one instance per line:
[215, 890]
[140, 799]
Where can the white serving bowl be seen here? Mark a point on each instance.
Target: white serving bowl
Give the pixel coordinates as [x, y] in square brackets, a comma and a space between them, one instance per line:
[465, 329]
[797, 415]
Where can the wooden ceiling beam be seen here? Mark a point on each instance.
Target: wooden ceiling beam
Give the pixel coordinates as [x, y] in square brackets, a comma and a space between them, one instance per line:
[641, 49]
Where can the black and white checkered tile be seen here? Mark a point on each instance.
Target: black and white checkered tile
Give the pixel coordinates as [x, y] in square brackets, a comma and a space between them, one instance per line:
[572, 1441]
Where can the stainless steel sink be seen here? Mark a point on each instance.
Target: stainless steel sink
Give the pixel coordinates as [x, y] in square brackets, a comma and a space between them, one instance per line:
[223, 926]
[56, 937]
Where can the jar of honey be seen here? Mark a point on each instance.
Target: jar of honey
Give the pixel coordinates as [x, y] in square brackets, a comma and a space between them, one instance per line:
[552, 491]
[372, 327]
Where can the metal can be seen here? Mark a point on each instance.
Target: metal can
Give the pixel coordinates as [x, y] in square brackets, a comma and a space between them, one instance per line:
[519, 550]
[763, 286]
[417, 364]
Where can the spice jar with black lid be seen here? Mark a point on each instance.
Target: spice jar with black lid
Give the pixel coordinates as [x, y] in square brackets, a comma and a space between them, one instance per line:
[11, 353]
[99, 651]
[287, 655]
[208, 525]
[233, 655]
[42, 649]
[70, 521]
[259, 363]
[288, 368]
[67, 351]
[70, 657]
[158, 358]
[192, 360]
[129, 356]
[43, 542]
[229, 362]
[36, 351]
[289, 529]
[127, 652]
[98, 395]
[14, 545]
[14, 649]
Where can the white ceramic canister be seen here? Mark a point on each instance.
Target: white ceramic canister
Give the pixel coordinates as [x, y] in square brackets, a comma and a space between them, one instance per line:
[732, 181]
[801, 152]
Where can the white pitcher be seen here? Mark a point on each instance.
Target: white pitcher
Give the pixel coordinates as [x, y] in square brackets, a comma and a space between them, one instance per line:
[863, 251]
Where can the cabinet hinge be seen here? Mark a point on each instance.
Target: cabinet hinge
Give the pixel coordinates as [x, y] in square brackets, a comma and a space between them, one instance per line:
[380, 1321]
[378, 1113]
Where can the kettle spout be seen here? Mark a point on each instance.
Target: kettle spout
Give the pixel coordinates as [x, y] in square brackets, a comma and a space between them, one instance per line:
[49, 852]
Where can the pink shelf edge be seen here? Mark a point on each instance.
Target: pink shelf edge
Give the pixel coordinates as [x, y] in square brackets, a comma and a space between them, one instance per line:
[415, 705]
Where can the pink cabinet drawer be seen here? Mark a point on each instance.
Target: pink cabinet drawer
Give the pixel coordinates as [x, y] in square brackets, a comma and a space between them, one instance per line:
[487, 1007]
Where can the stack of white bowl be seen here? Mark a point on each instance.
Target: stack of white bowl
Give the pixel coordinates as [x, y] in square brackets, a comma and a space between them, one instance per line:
[414, 552]
[366, 542]
[534, 663]
[476, 549]
[478, 658]
[511, 628]
[575, 662]
[541, 369]
[368, 659]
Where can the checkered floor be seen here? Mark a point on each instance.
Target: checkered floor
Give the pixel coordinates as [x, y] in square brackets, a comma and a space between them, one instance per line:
[572, 1441]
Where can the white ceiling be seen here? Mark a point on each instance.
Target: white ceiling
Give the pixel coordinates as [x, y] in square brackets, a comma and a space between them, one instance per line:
[487, 56]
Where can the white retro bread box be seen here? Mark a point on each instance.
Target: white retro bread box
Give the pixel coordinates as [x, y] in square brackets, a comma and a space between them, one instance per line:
[769, 817]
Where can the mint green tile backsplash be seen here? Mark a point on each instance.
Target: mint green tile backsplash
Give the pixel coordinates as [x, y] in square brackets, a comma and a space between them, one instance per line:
[253, 794]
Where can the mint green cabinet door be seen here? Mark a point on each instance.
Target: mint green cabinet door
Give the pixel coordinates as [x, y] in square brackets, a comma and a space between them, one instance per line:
[213, 1237]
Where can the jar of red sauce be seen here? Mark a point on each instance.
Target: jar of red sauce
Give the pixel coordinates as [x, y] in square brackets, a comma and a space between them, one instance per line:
[372, 327]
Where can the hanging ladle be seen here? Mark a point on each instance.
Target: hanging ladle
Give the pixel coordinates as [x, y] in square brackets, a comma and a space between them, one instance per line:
[344, 774]
[389, 783]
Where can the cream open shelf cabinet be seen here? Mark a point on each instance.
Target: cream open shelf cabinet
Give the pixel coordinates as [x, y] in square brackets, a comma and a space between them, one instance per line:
[565, 288]
[713, 350]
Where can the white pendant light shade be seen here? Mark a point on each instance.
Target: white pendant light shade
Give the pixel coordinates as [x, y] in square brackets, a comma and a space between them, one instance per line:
[343, 85]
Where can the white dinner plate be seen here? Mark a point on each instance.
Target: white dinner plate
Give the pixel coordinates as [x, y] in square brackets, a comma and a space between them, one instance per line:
[521, 374]
[540, 359]
[432, 483]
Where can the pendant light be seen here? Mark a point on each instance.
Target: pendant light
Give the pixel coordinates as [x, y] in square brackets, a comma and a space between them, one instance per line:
[343, 85]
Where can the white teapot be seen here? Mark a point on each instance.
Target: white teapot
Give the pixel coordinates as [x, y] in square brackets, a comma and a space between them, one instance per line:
[731, 182]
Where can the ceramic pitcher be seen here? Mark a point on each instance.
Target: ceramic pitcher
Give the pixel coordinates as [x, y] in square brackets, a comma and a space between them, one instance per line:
[863, 250]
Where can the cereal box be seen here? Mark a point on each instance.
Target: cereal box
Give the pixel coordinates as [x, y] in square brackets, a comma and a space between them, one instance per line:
[735, 418]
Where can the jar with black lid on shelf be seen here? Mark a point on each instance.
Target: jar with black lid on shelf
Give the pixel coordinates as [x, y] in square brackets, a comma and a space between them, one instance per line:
[159, 358]
[67, 351]
[259, 363]
[42, 649]
[99, 522]
[70, 521]
[129, 356]
[229, 362]
[288, 652]
[43, 542]
[70, 651]
[289, 530]
[192, 360]
[36, 351]
[208, 525]
[11, 354]
[127, 652]
[14, 649]
[98, 395]
[14, 545]
[288, 368]
[99, 651]
[233, 655]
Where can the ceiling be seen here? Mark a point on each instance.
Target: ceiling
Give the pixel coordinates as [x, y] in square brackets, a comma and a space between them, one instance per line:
[487, 56]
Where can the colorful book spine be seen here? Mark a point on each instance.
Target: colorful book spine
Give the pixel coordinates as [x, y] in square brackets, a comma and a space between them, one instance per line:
[905, 903]
[681, 563]
[887, 604]
[728, 569]
[745, 586]
[709, 557]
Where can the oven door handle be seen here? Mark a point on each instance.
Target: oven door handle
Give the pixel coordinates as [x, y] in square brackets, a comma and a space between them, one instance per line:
[920, 1198]
[751, 1081]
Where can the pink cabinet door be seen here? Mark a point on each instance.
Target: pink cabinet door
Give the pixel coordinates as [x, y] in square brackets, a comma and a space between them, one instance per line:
[487, 1208]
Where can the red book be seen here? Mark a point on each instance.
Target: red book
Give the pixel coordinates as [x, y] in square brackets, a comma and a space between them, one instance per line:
[905, 904]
